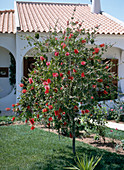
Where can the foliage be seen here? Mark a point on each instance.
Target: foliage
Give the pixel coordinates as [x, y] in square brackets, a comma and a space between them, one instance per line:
[85, 163]
[12, 70]
[73, 80]
[116, 111]
[120, 145]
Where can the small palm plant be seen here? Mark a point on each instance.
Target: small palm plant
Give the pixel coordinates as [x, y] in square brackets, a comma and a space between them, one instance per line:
[85, 163]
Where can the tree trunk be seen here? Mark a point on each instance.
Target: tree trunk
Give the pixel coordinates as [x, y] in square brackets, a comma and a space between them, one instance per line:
[73, 144]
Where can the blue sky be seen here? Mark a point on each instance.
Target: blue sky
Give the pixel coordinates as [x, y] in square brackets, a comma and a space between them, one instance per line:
[112, 7]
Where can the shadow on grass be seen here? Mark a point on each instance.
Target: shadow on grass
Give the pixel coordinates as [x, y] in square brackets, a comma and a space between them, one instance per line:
[109, 160]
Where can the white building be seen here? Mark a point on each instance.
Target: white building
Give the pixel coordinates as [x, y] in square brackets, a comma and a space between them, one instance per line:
[31, 17]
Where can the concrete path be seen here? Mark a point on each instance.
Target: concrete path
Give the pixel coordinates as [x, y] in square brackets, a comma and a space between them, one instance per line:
[119, 126]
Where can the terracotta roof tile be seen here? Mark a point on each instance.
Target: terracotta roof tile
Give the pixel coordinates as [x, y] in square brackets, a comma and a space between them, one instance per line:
[7, 21]
[39, 17]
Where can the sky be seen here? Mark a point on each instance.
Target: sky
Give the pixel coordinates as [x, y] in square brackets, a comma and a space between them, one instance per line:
[112, 7]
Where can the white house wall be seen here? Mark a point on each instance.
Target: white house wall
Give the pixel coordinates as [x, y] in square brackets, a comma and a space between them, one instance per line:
[7, 45]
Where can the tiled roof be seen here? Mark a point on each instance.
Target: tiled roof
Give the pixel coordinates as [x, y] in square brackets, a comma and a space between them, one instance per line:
[7, 21]
[39, 17]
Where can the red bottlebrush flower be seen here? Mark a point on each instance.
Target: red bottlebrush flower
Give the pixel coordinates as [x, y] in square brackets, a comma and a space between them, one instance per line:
[65, 38]
[60, 110]
[63, 113]
[47, 87]
[31, 121]
[100, 80]
[93, 53]
[111, 130]
[47, 63]
[46, 104]
[74, 71]
[83, 41]
[50, 107]
[32, 127]
[107, 67]
[105, 92]
[65, 123]
[87, 111]
[68, 72]
[42, 58]
[24, 91]
[116, 129]
[55, 74]
[70, 135]
[44, 110]
[96, 50]
[34, 71]
[56, 112]
[26, 121]
[76, 107]
[83, 63]
[28, 107]
[83, 112]
[91, 115]
[64, 45]
[82, 75]
[61, 74]
[76, 51]
[61, 88]
[30, 80]
[50, 119]
[59, 116]
[92, 97]
[13, 118]
[102, 45]
[38, 116]
[48, 124]
[56, 53]
[56, 38]
[47, 91]
[21, 85]
[48, 81]
[94, 86]
[67, 54]
[70, 78]
[8, 109]
[61, 63]
[13, 105]
[45, 83]
[32, 88]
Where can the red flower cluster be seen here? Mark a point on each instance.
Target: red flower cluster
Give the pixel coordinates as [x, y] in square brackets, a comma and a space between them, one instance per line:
[44, 110]
[83, 63]
[50, 107]
[13, 118]
[8, 109]
[82, 74]
[100, 80]
[30, 80]
[31, 121]
[76, 51]
[50, 119]
[21, 85]
[55, 74]
[83, 41]
[42, 58]
[32, 127]
[24, 91]
[56, 53]
[102, 45]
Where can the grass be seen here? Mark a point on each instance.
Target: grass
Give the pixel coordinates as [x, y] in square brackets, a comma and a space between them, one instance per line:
[23, 149]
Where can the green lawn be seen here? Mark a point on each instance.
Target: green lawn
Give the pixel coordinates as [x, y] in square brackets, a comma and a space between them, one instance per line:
[21, 148]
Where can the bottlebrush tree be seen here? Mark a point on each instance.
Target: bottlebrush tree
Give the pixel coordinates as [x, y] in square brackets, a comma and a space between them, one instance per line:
[64, 90]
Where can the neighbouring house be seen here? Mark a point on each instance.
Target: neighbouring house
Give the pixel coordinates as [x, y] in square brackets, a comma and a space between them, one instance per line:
[31, 17]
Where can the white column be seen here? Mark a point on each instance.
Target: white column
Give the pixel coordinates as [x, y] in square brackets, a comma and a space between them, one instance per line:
[121, 72]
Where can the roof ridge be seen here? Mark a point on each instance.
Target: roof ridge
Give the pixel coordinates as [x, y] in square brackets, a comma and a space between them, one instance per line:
[54, 3]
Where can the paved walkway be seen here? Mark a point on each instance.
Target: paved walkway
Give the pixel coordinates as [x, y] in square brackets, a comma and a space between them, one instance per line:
[119, 126]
